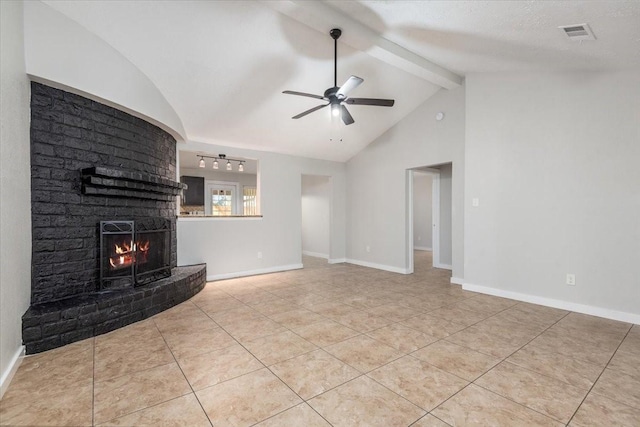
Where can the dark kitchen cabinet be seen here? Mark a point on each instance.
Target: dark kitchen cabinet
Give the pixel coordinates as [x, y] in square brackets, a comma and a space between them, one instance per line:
[194, 194]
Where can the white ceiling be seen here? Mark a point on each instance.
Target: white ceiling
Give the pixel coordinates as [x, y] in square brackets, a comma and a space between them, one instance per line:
[493, 36]
[222, 65]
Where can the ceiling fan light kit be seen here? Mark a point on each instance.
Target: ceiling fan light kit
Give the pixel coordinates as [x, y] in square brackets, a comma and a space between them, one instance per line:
[337, 96]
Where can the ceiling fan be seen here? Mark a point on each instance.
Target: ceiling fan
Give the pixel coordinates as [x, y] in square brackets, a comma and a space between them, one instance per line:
[338, 96]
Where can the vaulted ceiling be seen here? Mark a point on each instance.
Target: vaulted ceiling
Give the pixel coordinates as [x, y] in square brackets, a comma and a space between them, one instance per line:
[223, 65]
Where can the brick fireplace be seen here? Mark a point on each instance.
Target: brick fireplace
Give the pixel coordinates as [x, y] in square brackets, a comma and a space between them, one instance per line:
[91, 163]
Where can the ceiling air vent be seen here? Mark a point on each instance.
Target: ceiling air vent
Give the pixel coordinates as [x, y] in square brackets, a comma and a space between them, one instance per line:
[578, 32]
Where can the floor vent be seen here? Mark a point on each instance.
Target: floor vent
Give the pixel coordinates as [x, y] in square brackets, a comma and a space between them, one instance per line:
[578, 32]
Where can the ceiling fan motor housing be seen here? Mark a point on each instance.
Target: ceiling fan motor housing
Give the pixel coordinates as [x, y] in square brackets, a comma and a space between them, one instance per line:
[330, 93]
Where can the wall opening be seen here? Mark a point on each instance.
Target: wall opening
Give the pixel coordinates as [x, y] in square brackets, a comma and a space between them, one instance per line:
[316, 216]
[429, 218]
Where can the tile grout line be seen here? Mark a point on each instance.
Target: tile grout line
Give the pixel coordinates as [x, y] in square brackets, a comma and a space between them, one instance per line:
[365, 374]
[148, 369]
[493, 315]
[354, 308]
[425, 416]
[474, 381]
[269, 369]
[264, 367]
[182, 372]
[374, 291]
[320, 348]
[397, 394]
[443, 339]
[596, 380]
[548, 376]
[503, 359]
[360, 334]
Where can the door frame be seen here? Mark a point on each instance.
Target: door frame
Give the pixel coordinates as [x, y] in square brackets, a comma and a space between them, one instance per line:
[208, 184]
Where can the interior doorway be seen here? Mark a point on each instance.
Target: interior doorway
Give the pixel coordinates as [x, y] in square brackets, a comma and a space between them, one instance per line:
[423, 219]
[429, 219]
[423, 210]
[316, 216]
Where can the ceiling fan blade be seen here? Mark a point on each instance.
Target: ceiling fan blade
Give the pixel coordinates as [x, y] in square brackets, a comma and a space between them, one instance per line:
[370, 101]
[310, 95]
[346, 117]
[351, 83]
[304, 113]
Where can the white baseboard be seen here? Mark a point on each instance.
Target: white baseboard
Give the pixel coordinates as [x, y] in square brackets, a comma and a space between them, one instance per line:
[379, 266]
[443, 266]
[337, 260]
[457, 281]
[11, 370]
[422, 248]
[621, 316]
[253, 272]
[315, 254]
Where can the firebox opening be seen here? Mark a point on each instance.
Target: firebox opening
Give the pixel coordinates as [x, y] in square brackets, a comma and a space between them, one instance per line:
[134, 252]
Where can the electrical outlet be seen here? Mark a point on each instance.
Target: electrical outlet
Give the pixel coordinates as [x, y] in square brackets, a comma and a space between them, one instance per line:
[419, 238]
[475, 202]
[259, 255]
[571, 279]
[368, 248]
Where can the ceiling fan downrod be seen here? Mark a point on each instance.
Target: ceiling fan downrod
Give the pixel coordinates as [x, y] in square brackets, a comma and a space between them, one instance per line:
[335, 35]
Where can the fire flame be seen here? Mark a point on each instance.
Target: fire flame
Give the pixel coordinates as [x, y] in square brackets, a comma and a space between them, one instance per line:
[124, 248]
[129, 253]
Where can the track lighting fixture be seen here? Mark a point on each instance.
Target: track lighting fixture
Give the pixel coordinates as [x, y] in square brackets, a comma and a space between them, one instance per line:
[216, 165]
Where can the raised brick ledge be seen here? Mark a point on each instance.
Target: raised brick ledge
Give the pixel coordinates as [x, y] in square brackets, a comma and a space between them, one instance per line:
[111, 182]
[54, 324]
[131, 176]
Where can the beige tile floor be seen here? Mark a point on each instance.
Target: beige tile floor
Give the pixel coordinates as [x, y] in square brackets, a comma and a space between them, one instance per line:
[339, 345]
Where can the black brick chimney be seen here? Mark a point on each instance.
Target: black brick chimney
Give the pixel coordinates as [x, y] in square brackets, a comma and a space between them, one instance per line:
[92, 163]
[70, 133]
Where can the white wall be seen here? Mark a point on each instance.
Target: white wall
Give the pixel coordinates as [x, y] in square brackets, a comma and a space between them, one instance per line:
[316, 193]
[422, 214]
[377, 190]
[446, 215]
[60, 52]
[229, 247]
[15, 202]
[554, 160]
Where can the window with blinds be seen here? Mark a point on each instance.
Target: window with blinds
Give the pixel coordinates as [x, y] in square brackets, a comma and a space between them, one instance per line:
[250, 201]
